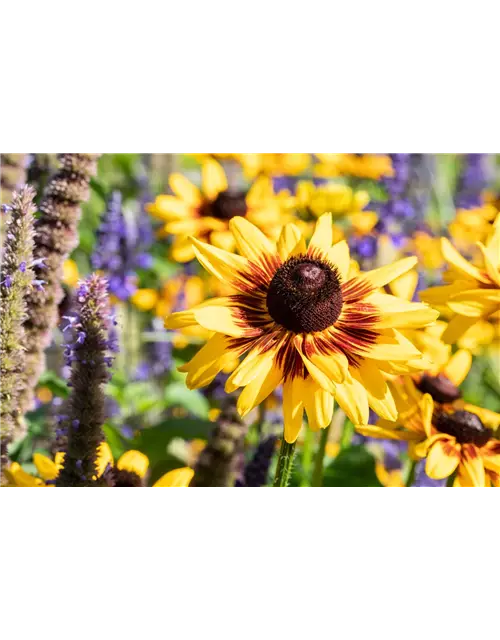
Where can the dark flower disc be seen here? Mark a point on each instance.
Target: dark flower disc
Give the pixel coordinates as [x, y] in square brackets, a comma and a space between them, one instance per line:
[227, 205]
[305, 295]
[439, 387]
[465, 426]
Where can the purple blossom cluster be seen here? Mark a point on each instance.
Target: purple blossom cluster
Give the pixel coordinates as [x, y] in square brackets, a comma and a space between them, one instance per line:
[472, 181]
[122, 247]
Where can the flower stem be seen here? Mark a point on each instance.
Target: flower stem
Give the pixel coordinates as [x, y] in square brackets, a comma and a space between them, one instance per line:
[410, 476]
[317, 479]
[284, 467]
[307, 458]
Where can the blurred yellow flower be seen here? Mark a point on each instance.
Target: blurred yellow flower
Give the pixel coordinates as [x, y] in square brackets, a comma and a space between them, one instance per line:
[206, 213]
[176, 478]
[363, 165]
[472, 293]
[71, 275]
[276, 164]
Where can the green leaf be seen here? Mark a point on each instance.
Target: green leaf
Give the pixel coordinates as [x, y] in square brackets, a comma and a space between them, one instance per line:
[155, 440]
[52, 381]
[177, 394]
[115, 440]
[353, 467]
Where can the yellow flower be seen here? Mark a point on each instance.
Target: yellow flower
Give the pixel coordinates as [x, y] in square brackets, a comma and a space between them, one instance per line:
[130, 470]
[302, 321]
[70, 273]
[206, 214]
[451, 438]
[427, 248]
[427, 339]
[364, 165]
[176, 478]
[276, 164]
[472, 293]
[392, 478]
[201, 157]
[471, 226]
[144, 299]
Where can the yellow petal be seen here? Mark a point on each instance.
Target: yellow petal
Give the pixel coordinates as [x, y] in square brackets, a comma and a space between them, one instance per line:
[223, 240]
[374, 431]
[426, 407]
[405, 286]
[104, 457]
[460, 264]
[250, 240]
[180, 320]
[47, 469]
[144, 299]
[176, 478]
[318, 405]
[393, 346]
[213, 179]
[21, 478]
[381, 276]
[400, 314]
[293, 408]
[339, 255]
[227, 267]
[185, 189]
[325, 369]
[322, 238]
[471, 466]
[457, 326]
[259, 389]
[352, 397]
[490, 262]
[207, 363]
[169, 208]
[379, 395]
[291, 241]
[134, 461]
[476, 303]
[442, 459]
[223, 319]
[251, 367]
[458, 367]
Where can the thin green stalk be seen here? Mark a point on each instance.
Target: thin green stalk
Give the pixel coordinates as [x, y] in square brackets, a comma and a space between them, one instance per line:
[317, 479]
[410, 476]
[347, 432]
[307, 458]
[285, 461]
[451, 480]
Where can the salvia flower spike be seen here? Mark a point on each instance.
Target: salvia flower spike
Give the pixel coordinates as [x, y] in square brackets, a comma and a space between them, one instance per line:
[88, 352]
[16, 280]
[56, 237]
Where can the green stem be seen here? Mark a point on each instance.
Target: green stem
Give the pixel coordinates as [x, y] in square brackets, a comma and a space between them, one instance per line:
[284, 467]
[347, 432]
[410, 476]
[307, 458]
[317, 479]
[451, 480]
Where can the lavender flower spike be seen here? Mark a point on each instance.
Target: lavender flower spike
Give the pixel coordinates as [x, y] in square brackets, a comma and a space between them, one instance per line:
[12, 173]
[88, 352]
[16, 279]
[56, 236]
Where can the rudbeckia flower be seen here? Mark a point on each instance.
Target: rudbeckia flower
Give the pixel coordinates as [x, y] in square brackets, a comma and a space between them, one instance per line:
[276, 164]
[205, 213]
[473, 293]
[129, 472]
[303, 321]
[451, 436]
[362, 165]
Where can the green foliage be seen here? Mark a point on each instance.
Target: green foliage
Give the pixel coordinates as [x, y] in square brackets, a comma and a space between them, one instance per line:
[353, 467]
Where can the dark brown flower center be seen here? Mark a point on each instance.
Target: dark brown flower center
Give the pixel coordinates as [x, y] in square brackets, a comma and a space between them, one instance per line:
[125, 478]
[465, 426]
[227, 205]
[305, 295]
[439, 387]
